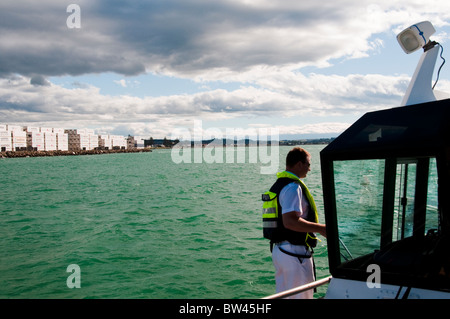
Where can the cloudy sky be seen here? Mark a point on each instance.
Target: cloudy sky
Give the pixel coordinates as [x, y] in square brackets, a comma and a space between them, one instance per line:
[147, 67]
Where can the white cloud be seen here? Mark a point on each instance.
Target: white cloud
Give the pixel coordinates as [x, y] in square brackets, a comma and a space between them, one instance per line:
[121, 82]
[263, 45]
[282, 95]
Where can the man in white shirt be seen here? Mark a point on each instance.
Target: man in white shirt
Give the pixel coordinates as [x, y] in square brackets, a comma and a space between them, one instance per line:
[292, 257]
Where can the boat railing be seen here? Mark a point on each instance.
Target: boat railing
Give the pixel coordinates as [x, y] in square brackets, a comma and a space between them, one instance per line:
[300, 289]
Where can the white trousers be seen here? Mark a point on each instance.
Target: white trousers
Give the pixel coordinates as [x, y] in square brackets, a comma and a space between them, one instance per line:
[290, 272]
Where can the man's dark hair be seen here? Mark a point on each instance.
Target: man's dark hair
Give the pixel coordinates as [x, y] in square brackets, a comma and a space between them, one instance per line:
[297, 154]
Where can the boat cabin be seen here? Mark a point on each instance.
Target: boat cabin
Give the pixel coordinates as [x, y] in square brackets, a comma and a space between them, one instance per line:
[386, 189]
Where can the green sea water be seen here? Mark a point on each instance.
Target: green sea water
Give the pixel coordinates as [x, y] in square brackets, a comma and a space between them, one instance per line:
[139, 225]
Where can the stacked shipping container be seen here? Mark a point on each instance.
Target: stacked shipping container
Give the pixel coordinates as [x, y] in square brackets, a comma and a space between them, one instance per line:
[5, 139]
[118, 141]
[62, 139]
[14, 138]
[93, 141]
[84, 139]
[19, 139]
[105, 142]
[35, 140]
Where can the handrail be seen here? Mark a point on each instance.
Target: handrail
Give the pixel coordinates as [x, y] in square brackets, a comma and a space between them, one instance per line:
[299, 289]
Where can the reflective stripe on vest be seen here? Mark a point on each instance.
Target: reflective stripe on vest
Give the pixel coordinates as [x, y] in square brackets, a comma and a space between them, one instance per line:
[270, 211]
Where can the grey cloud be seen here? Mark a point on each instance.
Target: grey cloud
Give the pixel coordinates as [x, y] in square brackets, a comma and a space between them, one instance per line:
[34, 39]
[185, 38]
[39, 80]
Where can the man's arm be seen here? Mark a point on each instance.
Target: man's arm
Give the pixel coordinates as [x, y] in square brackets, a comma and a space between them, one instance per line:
[292, 222]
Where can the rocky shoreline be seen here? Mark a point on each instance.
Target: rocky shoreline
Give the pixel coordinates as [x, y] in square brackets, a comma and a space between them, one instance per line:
[68, 153]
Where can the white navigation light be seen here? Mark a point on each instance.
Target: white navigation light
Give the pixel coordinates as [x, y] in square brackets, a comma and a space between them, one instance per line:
[416, 36]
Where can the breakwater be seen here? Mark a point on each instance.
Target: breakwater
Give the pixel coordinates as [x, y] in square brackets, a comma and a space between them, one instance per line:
[10, 154]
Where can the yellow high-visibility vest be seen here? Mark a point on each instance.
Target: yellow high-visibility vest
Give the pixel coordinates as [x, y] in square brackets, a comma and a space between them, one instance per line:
[273, 228]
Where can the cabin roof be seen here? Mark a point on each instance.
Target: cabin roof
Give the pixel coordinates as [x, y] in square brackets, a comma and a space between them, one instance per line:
[401, 131]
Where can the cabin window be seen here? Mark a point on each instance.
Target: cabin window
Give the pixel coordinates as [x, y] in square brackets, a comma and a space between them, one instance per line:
[432, 217]
[381, 201]
[359, 199]
[405, 198]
